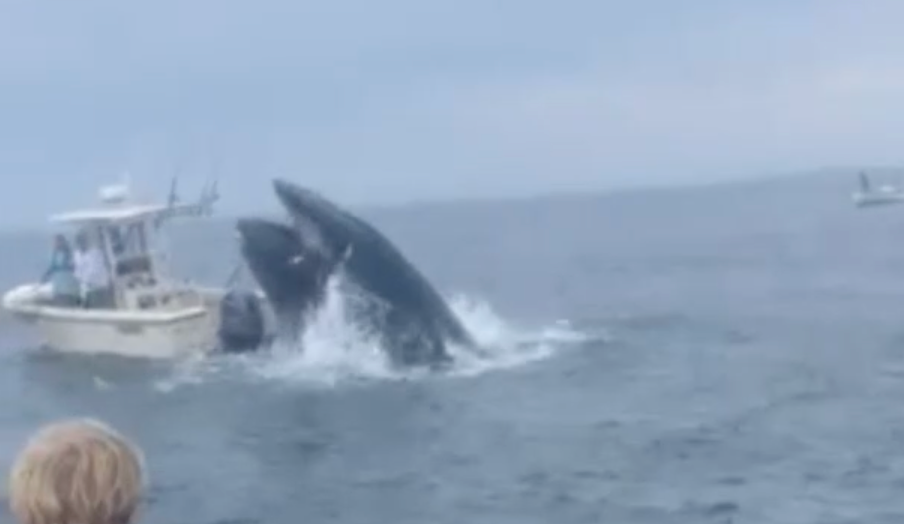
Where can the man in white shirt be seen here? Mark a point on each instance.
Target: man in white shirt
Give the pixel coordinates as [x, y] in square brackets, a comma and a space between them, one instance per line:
[91, 272]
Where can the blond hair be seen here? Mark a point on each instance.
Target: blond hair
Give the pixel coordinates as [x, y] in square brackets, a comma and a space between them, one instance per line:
[77, 472]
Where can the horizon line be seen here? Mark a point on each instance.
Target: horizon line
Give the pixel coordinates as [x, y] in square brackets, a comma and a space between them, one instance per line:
[556, 194]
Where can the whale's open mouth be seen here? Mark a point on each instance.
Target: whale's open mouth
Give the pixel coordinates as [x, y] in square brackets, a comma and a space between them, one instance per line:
[263, 239]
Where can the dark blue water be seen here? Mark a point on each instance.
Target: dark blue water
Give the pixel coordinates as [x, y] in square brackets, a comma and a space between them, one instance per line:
[724, 354]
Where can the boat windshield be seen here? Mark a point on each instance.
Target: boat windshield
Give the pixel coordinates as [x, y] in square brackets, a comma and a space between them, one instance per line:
[128, 241]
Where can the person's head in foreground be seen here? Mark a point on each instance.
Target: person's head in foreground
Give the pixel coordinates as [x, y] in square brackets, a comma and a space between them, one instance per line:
[77, 472]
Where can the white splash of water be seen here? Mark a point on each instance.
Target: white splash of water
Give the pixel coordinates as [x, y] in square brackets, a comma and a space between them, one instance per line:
[335, 349]
[503, 345]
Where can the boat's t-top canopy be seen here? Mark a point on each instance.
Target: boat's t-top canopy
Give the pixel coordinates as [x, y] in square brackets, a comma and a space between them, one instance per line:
[127, 234]
[111, 215]
[118, 208]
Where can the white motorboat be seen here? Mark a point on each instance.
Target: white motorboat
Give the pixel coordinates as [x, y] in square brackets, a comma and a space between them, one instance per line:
[883, 196]
[153, 315]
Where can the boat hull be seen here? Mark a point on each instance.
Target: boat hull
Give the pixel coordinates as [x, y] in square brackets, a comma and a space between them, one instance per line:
[179, 336]
[176, 333]
[877, 199]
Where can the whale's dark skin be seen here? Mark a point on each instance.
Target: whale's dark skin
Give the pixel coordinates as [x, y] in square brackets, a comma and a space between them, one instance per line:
[414, 323]
[292, 276]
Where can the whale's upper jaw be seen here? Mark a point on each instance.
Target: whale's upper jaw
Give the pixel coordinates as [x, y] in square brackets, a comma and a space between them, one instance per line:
[319, 221]
[299, 200]
[289, 194]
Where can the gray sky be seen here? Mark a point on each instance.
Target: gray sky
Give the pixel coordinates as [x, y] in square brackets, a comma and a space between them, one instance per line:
[404, 99]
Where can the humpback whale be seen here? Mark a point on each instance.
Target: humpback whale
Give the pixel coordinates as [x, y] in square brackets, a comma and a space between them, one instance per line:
[292, 276]
[292, 263]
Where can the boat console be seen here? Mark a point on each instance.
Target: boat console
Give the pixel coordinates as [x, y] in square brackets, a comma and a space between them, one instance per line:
[128, 234]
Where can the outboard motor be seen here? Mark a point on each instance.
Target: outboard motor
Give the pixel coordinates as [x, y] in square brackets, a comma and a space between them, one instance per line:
[242, 325]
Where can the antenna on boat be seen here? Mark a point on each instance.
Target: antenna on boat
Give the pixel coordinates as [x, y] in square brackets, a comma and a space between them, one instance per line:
[173, 196]
[210, 192]
[214, 193]
[209, 195]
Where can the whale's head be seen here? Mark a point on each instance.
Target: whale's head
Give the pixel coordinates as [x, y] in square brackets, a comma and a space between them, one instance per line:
[321, 225]
[290, 273]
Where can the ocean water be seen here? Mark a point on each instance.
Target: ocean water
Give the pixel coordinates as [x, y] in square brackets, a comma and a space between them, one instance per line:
[715, 354]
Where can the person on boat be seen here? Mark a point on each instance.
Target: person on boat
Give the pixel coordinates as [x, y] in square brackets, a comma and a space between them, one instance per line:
[92, 274]
[61, 274]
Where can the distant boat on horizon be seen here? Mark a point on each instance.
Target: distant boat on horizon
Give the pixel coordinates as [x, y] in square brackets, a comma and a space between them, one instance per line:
[885, 195]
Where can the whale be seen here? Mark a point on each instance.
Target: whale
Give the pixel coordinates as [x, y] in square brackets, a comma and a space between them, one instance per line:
[292, 276]
[292, 263]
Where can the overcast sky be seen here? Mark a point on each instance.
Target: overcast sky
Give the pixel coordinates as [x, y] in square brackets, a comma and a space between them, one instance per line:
[406, 99]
